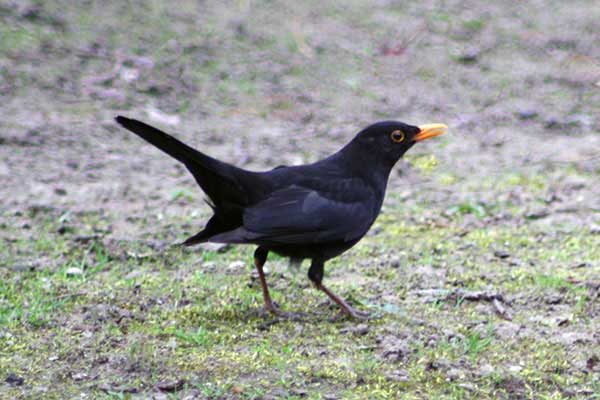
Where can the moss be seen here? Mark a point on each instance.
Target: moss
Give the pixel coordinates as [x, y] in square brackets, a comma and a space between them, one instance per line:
[138, 313]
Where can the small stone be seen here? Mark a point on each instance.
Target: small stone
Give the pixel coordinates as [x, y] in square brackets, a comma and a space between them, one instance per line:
[393, 348]
[501, 254]
[527, 114]
[515, 262]
[14, 380]
[134, 274]
[482, 309]
[236, 265]
[482, 330]
[398, 375]
[276, 393]
[358, 330]
[29, 266]
[216, 247]
[467, 386]
[60, 191]
[299, 392]
[580, 120]
[209, 266]
[448, 334]
[65, 229]
[160, 116]
[441, 364]
[237, 390]
[569, 121]
[574, 184]
[581, 265]
[85, 238]
[538, 214]
[129, 74]
[571, 338]
[170, 385]
[80, 376]
[105, 387]
[432, 340]
[395, 262]
[592, 362]
[454, 374]
[553, 299]
[554, 123]
[193, 394]
[469, 56]
[73, 164]
[124, 314]
[485, 370]
[73, 271]
[514, 369]
[507, 330]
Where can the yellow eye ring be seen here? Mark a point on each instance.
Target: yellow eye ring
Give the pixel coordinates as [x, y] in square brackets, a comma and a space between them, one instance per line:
[397, 136]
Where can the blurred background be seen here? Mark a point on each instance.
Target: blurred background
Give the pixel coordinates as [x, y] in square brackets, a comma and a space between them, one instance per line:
[513, 187]
[271, 83]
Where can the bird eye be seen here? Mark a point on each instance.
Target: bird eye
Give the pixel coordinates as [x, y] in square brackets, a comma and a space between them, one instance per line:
[397, 136]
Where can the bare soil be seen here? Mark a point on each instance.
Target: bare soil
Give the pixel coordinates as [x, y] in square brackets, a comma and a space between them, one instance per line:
[483, 269]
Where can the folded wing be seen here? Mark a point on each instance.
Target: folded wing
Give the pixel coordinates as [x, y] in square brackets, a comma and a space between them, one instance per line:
[297, 214]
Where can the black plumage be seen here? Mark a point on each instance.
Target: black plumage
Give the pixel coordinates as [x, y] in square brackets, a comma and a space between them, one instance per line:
[314, 211]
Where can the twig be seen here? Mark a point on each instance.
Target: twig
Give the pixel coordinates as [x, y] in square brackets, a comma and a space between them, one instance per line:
[69, 295]
[501, 311]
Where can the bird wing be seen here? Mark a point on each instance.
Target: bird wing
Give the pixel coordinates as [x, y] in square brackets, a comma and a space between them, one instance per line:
[297, 214]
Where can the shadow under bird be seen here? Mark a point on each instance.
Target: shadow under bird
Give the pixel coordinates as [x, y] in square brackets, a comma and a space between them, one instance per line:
[315, 211]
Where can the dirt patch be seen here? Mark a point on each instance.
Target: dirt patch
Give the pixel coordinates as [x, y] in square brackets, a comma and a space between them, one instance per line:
[482, 271]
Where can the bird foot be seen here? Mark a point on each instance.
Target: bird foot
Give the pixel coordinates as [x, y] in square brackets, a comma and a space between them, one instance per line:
[362, 315]
[351, 313]
[273, 310]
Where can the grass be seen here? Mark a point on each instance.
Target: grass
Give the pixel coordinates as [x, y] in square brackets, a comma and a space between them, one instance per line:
[202, 326]
[94, 301]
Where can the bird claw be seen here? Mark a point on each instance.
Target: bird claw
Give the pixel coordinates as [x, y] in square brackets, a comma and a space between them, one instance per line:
[351, 313]
[273, 310]
[361, 315]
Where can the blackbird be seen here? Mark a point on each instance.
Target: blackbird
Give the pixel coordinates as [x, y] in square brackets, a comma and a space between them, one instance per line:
[315, 211]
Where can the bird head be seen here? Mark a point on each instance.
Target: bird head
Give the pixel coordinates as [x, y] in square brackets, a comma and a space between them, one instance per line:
[389, 140]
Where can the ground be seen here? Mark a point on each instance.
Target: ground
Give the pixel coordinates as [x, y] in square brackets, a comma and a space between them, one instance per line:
[482, 272]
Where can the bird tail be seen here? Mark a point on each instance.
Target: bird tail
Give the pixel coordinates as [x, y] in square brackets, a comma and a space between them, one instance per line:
[229, 188]
[167, 143]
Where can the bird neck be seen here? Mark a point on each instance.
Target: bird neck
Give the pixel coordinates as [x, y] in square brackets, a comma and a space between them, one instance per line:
[369, 165]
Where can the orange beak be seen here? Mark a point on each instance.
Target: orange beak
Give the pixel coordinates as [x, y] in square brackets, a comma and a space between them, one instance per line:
[430, 130]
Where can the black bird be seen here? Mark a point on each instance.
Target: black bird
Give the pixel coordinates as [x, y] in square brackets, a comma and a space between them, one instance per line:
[314, 211]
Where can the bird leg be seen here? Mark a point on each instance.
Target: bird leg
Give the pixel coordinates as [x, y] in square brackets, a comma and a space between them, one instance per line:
[345, 307]
[260, 257]
[315, 274]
